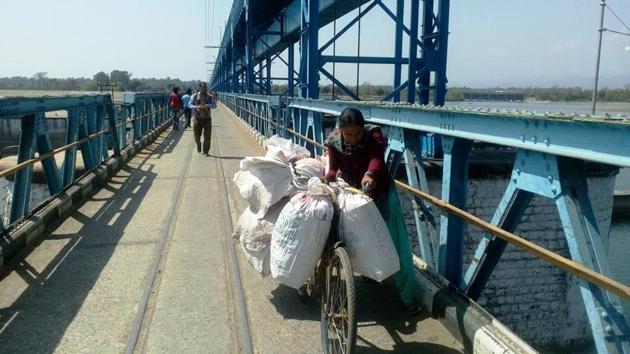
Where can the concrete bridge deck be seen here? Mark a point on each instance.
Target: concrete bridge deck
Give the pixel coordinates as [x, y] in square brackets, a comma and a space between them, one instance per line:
[95, 284]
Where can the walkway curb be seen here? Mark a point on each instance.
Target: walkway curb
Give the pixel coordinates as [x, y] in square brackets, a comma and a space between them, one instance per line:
[31, 229]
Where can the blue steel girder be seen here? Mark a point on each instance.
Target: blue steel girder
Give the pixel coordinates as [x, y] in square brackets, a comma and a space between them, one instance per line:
[609, 326]
[85, 117]
[102, 140]
[69, 161]
[507, 216]
[91, 129]
[564, 180]
[44, 146]
[86, 147]
[454, 191]
[277, 36]
[22, 183]
[597, 138]
[21, 106]
[401, 147]
[117, 115]
[309, 49]
[283, 30]
[398, 43]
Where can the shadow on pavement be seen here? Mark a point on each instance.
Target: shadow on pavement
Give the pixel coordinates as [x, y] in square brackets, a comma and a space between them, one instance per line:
[37, 320]
[291, 306]
[377, 305]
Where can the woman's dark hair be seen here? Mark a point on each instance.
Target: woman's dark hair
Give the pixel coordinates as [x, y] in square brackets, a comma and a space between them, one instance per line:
[175, 89]
[351, 116]
[188, 91]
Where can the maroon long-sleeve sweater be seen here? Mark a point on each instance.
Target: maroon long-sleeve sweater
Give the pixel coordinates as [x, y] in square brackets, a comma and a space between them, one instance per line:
[351, 162]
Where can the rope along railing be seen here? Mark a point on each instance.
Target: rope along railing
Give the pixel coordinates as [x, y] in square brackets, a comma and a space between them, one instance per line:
[561, 262]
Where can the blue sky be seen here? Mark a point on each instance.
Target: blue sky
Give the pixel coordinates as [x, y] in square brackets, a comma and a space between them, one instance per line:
[492, 42]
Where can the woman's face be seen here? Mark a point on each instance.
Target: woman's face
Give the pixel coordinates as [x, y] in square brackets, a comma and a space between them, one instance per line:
[352, 134]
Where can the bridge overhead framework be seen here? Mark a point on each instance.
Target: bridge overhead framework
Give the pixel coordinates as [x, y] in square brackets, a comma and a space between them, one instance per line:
[258, 32]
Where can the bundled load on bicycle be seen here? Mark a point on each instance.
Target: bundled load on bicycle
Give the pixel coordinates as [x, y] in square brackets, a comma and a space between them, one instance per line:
[312, 223]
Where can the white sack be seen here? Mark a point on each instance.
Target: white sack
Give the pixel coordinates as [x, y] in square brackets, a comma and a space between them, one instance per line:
[309, 167]
[304, 170]
[254, 235]
[300, 234]
[285, 150]
[365, 234]
[262, 182]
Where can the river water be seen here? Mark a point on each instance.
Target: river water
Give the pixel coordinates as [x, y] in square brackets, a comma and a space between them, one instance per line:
[612, 108]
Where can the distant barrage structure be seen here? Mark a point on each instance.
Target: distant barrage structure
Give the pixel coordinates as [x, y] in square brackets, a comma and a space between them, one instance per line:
[495, 96]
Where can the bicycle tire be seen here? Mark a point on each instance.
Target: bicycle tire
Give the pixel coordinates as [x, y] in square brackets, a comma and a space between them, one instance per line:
[339, 264]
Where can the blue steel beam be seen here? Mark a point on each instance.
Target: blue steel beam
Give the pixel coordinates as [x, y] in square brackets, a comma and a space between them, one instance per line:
[362, 60]
[291, 70]
[20, 106]
[309, 49]
[609, 327]
[455, 192]
[249, 55]
[441, 49]
[86, 148]
[398, 42]
[339, 84]
[69, 161]
[424, 78]
[22, 184]
[598, 139]
[283, 29]
[102, 140]
[289, 25]
[340, 33]
[44, 146]
[507, 216]
[92, 128]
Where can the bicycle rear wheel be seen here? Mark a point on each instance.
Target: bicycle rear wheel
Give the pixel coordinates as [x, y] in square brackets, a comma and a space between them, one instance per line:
[338, 305]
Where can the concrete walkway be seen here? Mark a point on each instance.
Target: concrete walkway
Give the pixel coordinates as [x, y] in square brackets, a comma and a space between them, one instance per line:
[94, 282]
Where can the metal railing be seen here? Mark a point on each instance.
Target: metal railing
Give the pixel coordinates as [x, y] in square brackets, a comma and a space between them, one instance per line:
[550, 152]
[94, 125]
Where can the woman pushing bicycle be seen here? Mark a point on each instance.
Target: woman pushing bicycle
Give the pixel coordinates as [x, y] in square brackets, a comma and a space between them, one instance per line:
[356, 154]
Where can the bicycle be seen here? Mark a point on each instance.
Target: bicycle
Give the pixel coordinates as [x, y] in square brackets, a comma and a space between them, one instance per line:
[333, 282]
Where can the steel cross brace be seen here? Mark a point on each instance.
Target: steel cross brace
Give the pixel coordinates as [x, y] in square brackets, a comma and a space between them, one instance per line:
[44, 145]
[23, 177]
[401, 144]
[564, 180]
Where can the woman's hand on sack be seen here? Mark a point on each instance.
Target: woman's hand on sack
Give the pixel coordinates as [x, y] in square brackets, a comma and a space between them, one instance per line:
[324, 179]
[367, 183]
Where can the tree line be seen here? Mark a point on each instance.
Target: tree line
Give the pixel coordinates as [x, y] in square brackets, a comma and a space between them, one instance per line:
[125, 82]
[555, 93]
[368, 91]
[122, 80]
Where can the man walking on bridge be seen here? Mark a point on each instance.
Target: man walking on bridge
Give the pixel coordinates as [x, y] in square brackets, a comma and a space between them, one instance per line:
[200, 102]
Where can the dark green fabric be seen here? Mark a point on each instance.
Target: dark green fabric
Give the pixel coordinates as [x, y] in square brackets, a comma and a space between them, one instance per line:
[390, 209]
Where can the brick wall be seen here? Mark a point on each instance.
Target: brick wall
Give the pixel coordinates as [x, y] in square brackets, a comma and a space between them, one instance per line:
[538, 301]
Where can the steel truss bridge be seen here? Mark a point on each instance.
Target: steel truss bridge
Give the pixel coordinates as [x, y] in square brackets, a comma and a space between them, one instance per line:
[551, 149]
